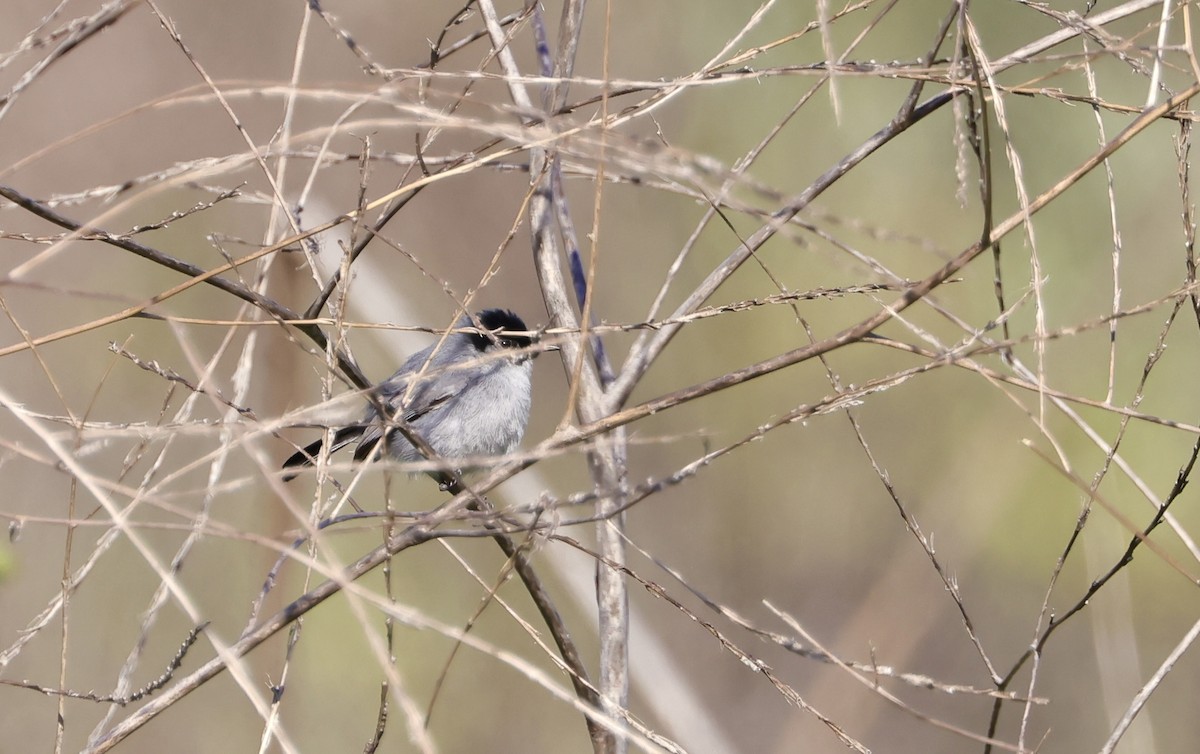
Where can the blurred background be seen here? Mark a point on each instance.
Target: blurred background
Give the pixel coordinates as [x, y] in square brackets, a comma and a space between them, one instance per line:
[271, 118]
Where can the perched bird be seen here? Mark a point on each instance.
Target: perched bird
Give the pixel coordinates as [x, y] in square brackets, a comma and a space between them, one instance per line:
[471, 399]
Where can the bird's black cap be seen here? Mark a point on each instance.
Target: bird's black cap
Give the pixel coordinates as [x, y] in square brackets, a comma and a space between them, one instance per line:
[500, 319]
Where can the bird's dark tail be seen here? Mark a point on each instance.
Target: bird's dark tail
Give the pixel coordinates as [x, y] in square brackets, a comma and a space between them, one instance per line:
[307, 456]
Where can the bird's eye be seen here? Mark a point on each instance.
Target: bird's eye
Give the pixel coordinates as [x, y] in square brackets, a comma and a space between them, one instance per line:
[507, 343]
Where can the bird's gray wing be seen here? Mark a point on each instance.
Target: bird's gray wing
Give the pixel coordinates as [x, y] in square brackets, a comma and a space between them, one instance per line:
[437, 389]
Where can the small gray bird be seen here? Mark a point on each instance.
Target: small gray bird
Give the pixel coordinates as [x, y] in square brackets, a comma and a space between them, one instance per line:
[472, 399]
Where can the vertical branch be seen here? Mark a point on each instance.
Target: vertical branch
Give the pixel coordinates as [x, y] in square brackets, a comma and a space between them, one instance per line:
[607, 457]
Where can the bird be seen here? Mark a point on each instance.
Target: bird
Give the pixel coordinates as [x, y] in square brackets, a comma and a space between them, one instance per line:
[470, 397]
